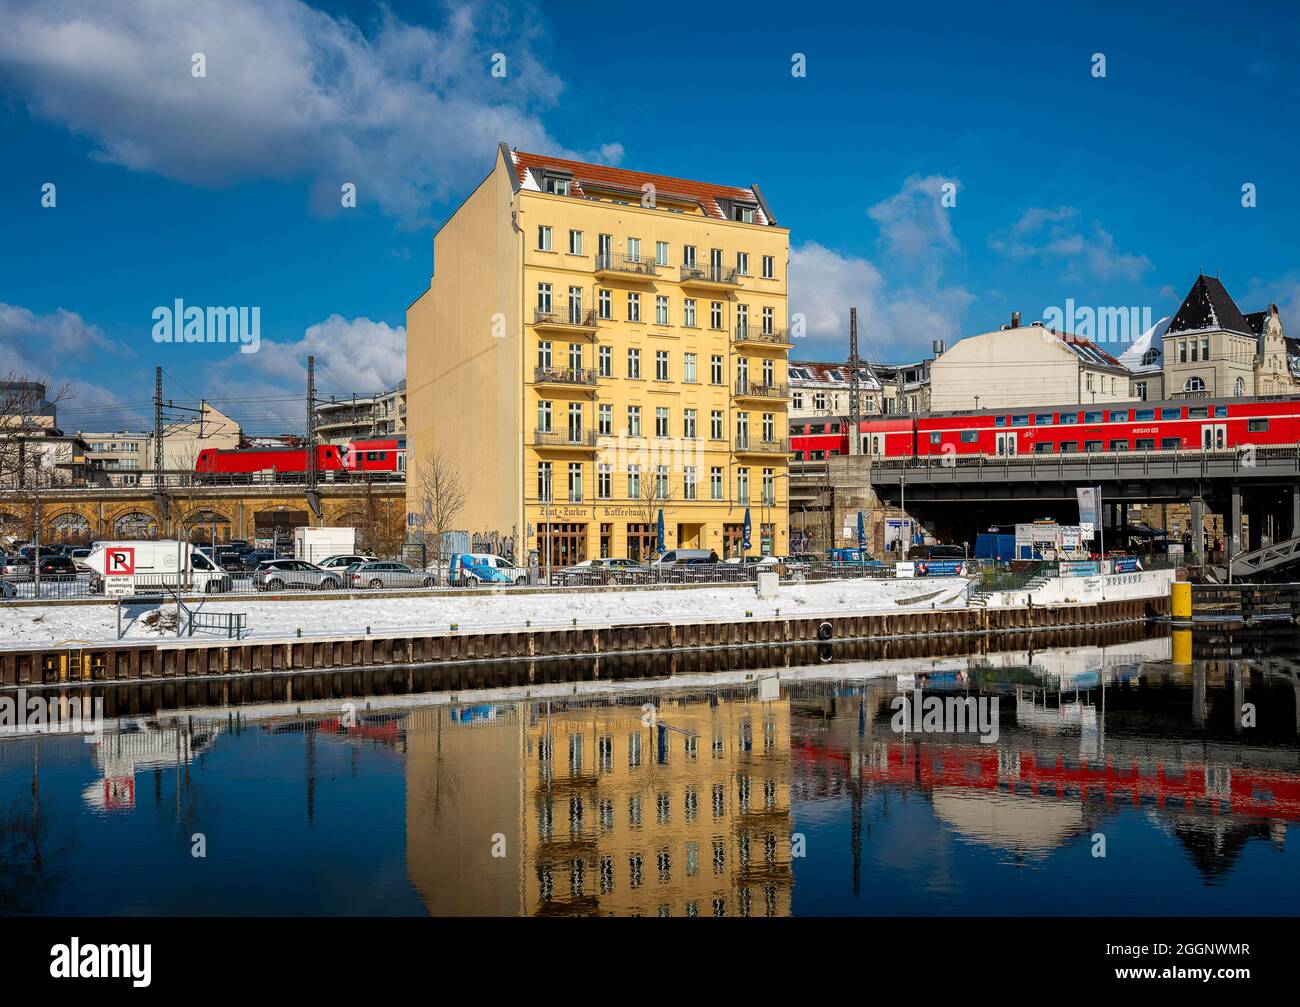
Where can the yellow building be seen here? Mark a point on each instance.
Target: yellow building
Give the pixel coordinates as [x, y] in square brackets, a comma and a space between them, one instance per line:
[598, 345]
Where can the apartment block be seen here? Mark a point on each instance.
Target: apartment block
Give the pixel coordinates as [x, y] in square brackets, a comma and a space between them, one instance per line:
[598, 346]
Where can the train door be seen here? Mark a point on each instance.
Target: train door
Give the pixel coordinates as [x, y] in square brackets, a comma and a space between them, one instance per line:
[1214, 436]
[1006, 444]
[873, 444]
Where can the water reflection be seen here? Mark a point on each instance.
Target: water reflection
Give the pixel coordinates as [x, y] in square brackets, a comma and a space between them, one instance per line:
[745, 785]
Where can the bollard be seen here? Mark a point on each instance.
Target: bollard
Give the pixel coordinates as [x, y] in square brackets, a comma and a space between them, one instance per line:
[1182, 647]
[1180, 601]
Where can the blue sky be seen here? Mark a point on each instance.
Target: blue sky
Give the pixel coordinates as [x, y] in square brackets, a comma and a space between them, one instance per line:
[223, 190]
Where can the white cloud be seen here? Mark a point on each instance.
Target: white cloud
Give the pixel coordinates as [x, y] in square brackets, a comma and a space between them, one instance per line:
[894, 323]
[914, 221]
[410, 114]
[1058, 234]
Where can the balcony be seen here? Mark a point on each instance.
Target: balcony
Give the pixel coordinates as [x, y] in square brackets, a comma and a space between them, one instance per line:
[746, 389]
[571, 321]
[565, 440]
[762, 446]
[710, 277]
[565, 377]
[616, 266]
[752, 335]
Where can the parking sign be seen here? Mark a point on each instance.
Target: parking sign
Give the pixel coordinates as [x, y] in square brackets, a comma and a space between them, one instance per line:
[119, 570]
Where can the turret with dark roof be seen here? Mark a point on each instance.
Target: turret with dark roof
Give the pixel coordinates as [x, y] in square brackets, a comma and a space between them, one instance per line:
[1209, 308]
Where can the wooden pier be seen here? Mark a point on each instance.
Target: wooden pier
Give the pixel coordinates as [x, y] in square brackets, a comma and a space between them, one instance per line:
[132, 661]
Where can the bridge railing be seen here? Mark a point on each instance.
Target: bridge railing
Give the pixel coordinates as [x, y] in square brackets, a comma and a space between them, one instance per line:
[1094, 462]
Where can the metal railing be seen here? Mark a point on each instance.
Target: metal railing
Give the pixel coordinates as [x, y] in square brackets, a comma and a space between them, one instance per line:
[763, 445]
[709, 274]
[757, 334]
[564, 438]
[758, 389]
[585, 319]
[585, 376]
[617, 262]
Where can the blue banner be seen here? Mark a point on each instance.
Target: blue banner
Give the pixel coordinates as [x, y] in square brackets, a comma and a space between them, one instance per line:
[747, 529]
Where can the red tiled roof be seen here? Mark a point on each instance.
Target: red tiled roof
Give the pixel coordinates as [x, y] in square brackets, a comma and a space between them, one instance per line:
[705, 193]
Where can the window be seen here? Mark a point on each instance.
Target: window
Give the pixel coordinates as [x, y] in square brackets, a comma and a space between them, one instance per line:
[1145, 444]
[661, 365]
[715, 424]
[1198, 412]
[633, 363]
[605, 299]
[688, 313]
[1205, 348]
[742, 485]
[688, 368]
[575, 305]
[1043, 419]
[688, 256]
[1020, 421]
[970, 436]
[1257, 426]
[1171, 413]
[634, 421]
[544, 481]
[661, 482]
[603, 480]
[769, 427]
[742, 320]
[575, 358]
[544, 354]
[1087, 382]
[715, 314]
[633, 306]
[819, 400]
[1119, 445]
[715, 369]
[661, 310]
[543, 238]
[744, 214]
[661, 421]
[1193, 351]
[688, 482]
[1091, 446]
[1150, 357]
[557, 184]
[575, 482]
[769, 372]
[605, 419]
[688, 424]
[769, 267]
[634, 482]
[661, 253]
[715, 483]
[575, 242]
[769, 488]
[544, 298]
[1171, 443]
[1143, 415]
[544, 417]
[1093, 417]
[633, 249]
[605, 361]
[1194, 384]
[742, 263]
[1068, 418]
[1069, 447]
[1119, 415]
[769, 321]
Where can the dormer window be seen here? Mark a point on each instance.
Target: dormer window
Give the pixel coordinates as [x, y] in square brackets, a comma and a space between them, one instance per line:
[744, 214]
[1150, 357]
[556, 184]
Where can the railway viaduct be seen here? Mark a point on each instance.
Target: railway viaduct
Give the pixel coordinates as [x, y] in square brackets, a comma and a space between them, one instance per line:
[77, 514]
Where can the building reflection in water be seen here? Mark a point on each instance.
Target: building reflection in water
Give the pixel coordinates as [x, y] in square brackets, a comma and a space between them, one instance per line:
[605, 807]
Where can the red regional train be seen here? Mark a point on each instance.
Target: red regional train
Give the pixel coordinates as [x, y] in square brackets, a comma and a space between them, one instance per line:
[290, 464]
[1173, 425]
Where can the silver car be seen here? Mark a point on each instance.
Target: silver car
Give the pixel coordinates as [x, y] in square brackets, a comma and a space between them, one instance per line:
[378, 574]
[279, 574]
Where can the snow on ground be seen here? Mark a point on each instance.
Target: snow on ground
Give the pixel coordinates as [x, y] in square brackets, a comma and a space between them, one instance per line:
[54, 623]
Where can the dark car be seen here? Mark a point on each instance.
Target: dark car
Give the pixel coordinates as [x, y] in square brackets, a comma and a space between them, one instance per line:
[233, 562]
[58, 566]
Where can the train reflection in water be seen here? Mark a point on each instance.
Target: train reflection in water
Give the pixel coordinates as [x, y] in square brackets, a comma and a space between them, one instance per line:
[759, 782]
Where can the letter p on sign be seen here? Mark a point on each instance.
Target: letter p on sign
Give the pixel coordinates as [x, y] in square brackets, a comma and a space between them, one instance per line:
[119, 562]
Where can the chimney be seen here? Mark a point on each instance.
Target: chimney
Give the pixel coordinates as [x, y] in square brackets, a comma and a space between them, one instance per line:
[1015, 319]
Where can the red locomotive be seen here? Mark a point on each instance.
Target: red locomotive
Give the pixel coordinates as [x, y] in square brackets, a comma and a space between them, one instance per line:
[1172, 425]
[290, 464]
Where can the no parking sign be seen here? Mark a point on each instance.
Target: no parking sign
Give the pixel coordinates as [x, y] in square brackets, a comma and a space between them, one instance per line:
[119, 570]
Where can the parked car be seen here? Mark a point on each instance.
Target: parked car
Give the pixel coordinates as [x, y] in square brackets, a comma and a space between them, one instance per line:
[79, 556]
[920, 552]
[484, 567]
[675, 556]
[343, 561]
[380, 574]
[605, 570]
[278, 574]
[234, 562]
[58, 566]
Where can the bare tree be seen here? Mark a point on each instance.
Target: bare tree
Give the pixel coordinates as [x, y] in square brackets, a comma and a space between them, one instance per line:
[652, 496]
[436, 494]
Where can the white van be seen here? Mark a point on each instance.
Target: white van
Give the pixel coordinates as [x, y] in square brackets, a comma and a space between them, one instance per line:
[164, 563]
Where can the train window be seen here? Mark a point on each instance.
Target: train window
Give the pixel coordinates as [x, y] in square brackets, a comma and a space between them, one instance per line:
[1198, 412]
[1257, 426]
[796, 429]
[818, 456]
[1043, 448]
[970, 436]
[1221, 412]
[1069, 447]
[1143, 415]
[1171, 443]
[1001, 421]
[936, 437]
[1068, 418]
[1043, 419]
[835, 428]
[1119, 415]
[817, 428]
[1119, 445]
[1020, 421]
[1146, 444]
[1171, 413]
[1092, 446]
[798, 456]
[1092, 417]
